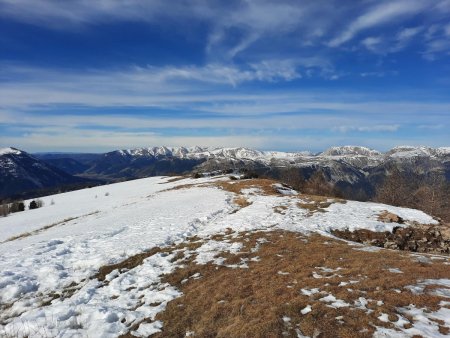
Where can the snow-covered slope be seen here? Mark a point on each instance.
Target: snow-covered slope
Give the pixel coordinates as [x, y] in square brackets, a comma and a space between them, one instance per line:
[350, 151]
[65, 242]
[9, 150]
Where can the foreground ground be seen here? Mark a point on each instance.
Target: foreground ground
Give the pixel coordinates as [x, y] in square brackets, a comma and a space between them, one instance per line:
[207, 258]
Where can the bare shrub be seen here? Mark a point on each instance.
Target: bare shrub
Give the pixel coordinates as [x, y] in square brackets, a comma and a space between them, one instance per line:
[4, 210]
[430, 193]
[17, 206]
[37, 203]
[293, 177]
[317, 184]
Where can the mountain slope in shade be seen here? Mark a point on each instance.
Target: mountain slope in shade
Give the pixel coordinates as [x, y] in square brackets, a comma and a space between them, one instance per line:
[20, 172]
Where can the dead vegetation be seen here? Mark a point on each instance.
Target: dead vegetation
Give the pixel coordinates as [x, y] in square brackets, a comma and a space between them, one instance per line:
[266, 299]
[388, 217]
[241, 201]
[252, 302]
[264, 185]
[174, 179]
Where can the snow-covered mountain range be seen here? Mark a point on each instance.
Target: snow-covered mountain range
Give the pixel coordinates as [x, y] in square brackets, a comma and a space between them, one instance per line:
[267, 156]
[345, 166]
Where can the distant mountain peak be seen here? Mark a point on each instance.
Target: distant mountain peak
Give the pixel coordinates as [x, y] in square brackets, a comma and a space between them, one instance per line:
[350, 150]
[10, 150]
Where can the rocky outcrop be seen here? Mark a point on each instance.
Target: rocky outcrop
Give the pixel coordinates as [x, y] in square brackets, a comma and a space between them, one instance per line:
[416, 238]
[388, 217]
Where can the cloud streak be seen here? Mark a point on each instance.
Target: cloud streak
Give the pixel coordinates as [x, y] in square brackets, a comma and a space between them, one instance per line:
[236, 27]
[378, 15]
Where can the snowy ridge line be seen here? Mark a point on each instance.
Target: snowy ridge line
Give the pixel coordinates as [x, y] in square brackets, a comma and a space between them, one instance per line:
[9, 150]
[256, 155]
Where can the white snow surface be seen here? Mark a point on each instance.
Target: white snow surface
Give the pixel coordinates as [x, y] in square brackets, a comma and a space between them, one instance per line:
[9, 150]
[68, 241]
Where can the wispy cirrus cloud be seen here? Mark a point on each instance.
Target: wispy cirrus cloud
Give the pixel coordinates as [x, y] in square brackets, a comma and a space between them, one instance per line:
[238, 27]
[372, 128]
[380, 14]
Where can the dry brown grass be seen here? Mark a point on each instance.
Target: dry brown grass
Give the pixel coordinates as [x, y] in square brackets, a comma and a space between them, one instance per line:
[227, 302]
[241, 201]
[251, 302]
[174, 179]
[129, 263]
[265, 185]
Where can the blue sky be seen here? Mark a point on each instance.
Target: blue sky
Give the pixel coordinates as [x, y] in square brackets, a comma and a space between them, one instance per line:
[81, 75]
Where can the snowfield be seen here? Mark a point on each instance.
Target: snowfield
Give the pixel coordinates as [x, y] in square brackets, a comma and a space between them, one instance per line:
[63, 244]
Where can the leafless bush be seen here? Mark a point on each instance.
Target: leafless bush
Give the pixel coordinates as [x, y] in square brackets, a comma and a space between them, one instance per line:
[17, 206]
[4, 210]
[37, 203]
[428, 193]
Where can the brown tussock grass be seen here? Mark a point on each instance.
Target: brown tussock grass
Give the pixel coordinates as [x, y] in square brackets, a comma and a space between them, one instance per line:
[136, 260]
[251, 302]
[265, 185]
[174, 179]
[241, 201]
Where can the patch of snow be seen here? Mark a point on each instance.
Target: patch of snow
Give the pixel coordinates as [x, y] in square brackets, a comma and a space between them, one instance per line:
[395, 270]
[284, 190]
[209, 250]
[138, 215]
[147, 329]
[334, 302]
[443, 291]
[368, 248]
[309, 292]
[306, 310]
[9, 150]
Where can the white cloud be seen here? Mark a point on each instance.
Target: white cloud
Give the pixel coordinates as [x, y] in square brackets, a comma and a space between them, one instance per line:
[372, 128]
[372, 43]
[408, 33]
[381, 14]
[241, 28]
[137, 86]
[438, 126]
